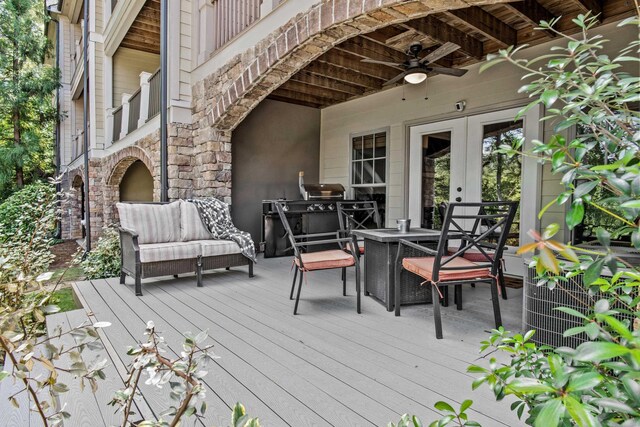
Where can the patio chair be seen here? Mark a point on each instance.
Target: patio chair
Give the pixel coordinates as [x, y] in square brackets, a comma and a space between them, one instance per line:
[441, 268]
[344, 255]
[361, 215]
[474, 255]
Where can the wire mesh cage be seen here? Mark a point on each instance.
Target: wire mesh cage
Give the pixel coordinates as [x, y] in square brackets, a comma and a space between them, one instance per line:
[539, 310]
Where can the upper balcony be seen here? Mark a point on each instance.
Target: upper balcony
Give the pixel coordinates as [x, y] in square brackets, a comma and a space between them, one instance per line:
[77, 61]
[133, 24]
[136, 109]
[219, 22]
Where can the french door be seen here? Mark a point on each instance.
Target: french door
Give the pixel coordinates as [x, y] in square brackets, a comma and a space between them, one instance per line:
[457, 160]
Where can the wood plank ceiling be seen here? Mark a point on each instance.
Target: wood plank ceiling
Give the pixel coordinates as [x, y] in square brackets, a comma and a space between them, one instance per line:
[144, 33]
[339, 74]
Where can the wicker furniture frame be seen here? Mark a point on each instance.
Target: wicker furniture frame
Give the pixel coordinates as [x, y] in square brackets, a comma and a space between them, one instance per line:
[133, 267]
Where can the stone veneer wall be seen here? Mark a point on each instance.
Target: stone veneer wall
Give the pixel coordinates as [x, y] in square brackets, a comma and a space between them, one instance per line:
[223, 99]
[105, 175]
[200, 153]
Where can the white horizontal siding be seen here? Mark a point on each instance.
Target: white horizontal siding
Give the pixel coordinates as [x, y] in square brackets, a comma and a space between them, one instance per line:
[494, 89]
[127, 66]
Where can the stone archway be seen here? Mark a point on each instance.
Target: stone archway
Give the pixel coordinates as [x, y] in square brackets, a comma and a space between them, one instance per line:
[115, 168]
[222, 100]
[136, 184]
[76, 204]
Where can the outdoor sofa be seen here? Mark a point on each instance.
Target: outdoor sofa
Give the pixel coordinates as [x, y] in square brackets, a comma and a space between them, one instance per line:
[163, 239]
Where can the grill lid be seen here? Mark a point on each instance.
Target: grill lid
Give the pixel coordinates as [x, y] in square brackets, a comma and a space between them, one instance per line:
[324, 190]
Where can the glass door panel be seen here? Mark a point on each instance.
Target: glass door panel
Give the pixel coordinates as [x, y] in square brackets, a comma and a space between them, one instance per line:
[435, 173]
[502, 175]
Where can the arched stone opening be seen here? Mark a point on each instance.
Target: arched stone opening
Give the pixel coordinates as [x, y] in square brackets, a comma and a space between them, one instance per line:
[136, 184]
[224, 99]
[117, 167]
[77, 208]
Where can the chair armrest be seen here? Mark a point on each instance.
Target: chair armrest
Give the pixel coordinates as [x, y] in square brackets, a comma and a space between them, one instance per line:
[129, 249]
[306, 236]
[127, 231]
[416, 246]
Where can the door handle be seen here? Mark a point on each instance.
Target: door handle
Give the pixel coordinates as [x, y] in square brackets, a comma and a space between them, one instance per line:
[458, 199]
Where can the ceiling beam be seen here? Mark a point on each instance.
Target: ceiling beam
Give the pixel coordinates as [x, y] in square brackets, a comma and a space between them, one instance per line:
[142, 47]
[443, 32]
[324, 82]
[274, 97]
[368, 48]
[315, 91]
[335, 72]
[140, 34]
[286, 95]
[532, 12]
[149, 14]
[487, 24]
[351, 62]
[593, 6]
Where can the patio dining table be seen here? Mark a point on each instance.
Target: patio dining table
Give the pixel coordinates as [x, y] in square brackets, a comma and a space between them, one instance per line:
[380, 248]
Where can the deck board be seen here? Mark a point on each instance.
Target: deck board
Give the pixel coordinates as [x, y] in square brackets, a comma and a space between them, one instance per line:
[326, 366]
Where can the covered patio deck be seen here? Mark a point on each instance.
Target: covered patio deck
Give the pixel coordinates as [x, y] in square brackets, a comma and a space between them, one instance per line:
[328, 366]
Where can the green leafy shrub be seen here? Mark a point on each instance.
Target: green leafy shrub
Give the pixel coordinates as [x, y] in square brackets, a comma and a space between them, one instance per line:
[598, 382]
[104, 259]
[20, 212]
[25, 299]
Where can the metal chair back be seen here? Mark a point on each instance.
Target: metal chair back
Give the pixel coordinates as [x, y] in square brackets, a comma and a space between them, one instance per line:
[488, 235]
[287, 228]
[358, 215]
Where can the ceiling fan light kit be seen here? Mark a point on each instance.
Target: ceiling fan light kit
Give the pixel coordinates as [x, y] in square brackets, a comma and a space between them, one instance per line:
[415, 77]
[416, 69]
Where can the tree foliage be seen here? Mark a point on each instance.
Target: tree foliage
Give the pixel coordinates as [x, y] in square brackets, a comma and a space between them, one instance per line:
[27, 84]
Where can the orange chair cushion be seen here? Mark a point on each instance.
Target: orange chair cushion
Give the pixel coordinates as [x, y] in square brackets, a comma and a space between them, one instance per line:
[423, 267]
[324, 260]
[473, 255]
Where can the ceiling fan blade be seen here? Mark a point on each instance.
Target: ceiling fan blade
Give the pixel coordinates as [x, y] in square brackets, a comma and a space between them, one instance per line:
[373, 61]
[458, 72]
[395, 79]
[440, 52]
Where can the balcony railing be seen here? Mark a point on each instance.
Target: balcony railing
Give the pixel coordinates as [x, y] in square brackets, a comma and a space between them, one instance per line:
[230, 17]
[136, 109]
[154, 95]
[117, 124]
[77, 56]
[77, 147]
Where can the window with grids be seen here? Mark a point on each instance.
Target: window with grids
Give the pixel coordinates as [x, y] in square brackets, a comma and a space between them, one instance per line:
[369, 159]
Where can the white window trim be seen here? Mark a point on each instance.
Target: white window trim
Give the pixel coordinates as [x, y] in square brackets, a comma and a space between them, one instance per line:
[387, 131]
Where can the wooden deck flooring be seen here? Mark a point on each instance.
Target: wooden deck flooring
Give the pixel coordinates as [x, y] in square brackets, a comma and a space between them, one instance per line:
[328, 366]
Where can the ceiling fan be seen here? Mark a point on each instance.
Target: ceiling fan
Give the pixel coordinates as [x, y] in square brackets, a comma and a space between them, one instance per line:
[417, 69]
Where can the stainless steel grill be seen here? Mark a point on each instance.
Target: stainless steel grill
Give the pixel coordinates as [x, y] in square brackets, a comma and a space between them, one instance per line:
[323, 191]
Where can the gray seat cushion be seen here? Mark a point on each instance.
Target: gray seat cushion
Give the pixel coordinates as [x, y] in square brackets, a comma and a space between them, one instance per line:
[153, 223]
[218, 247]
[191, 226]
[155, 252]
